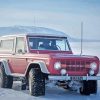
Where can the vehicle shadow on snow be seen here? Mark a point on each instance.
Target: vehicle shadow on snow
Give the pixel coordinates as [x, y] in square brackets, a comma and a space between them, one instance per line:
[57, 93]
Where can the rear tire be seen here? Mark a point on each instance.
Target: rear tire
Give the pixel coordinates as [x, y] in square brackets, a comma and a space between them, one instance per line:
[89, 87]
[5, 81]
[36, 82]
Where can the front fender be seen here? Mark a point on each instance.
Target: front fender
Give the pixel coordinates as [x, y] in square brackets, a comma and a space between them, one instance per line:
[41, 64]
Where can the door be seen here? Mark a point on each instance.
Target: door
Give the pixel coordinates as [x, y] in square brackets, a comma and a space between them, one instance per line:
[19, 60]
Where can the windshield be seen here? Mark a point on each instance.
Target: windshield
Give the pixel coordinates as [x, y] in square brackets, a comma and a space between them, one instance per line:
[43, 43]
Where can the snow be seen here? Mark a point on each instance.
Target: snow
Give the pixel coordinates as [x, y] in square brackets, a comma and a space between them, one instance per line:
[52, 93]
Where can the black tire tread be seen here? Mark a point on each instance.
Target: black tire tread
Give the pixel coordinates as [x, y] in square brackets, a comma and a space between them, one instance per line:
[38, 82]
[89, 87]
[7, 81]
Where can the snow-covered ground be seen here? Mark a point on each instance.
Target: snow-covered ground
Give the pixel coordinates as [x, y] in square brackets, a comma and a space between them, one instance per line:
[52, 93]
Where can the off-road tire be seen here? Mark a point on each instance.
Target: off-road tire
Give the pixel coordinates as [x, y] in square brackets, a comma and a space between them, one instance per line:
[36, 82]
[89, 87]
[93, 87]
[5, 81]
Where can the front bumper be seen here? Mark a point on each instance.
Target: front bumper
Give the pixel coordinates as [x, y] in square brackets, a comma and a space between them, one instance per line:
[66, 78]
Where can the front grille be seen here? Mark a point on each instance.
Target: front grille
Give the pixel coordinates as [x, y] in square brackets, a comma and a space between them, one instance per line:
[78, 65]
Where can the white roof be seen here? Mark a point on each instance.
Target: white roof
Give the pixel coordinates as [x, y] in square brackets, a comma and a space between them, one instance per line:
[30, 30]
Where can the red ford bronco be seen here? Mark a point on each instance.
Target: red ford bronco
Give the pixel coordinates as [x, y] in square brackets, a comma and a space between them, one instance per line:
[38, 58]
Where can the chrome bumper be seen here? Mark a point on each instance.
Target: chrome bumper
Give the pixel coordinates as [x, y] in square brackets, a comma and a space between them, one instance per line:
[62, 78]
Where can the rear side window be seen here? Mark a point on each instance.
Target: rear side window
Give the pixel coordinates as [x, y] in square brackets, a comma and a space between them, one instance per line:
[20, 45]
[7, 45]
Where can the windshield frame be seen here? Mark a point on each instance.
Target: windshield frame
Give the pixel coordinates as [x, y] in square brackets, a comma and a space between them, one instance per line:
[47, 37]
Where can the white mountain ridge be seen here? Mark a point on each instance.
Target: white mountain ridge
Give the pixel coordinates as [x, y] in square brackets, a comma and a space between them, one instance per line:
[33, 29]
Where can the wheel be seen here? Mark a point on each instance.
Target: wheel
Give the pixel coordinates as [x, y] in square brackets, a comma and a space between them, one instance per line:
[93, 87]
[5, 81]
[89, 87]
[36, 82]
[84, 90]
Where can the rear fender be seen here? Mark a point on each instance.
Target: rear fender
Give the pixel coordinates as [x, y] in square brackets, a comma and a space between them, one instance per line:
[4, 63]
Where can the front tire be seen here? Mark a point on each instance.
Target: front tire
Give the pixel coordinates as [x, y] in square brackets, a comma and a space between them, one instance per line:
[89, 87]
[36, 82]
[5, 81]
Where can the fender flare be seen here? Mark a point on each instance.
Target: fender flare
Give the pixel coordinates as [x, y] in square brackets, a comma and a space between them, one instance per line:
[41, 64]
[6, 66]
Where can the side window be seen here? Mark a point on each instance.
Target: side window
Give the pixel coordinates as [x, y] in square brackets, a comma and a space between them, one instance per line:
[20, 44]
[33, 43]
[7, 45]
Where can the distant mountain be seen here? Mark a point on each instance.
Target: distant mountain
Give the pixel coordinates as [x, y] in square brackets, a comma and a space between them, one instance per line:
[33, 29]
[30, 29]
[26, 29]
[84, 40]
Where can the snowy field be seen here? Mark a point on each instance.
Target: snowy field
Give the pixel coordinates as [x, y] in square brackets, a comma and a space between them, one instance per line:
[52, 93]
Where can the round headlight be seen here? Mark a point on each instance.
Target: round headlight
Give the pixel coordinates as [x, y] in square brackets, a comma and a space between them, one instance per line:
[93, 66]
[63, 72]
[57, 65]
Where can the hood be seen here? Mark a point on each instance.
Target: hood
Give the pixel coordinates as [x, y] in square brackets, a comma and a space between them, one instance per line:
[71, 56]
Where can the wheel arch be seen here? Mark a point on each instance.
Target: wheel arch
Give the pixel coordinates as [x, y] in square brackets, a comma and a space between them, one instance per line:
[5, 65]
[35, 64]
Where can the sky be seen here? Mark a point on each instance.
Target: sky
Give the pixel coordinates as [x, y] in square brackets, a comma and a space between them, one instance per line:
[62, 15]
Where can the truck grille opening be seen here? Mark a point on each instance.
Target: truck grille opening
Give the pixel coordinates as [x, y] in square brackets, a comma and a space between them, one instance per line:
[76, 65]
